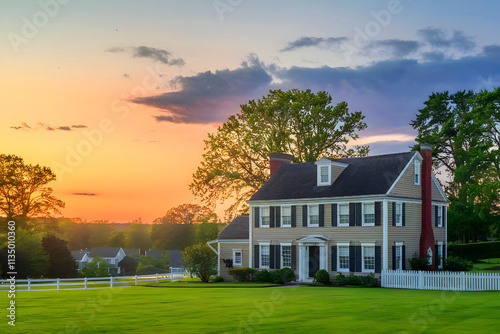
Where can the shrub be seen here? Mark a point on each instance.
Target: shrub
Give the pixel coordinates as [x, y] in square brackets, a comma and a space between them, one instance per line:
[340, 280]
[151, 270]
[282, 276]
[369, 281]
[263, 276]
[241, 274]
[475, 250]
[418, 263]
[218, 279]
[455, 263]
[354, 280]
[322, 276]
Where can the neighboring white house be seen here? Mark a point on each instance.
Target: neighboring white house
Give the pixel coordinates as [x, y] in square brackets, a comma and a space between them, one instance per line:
[112, 256]
[81, 257]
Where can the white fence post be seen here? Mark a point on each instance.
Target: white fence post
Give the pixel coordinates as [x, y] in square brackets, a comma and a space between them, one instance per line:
[156, 277]
[29, 284]
[420, 283]
[111, 281]
[85, 283]
[136, 280]
[171, 275]
[58, 284]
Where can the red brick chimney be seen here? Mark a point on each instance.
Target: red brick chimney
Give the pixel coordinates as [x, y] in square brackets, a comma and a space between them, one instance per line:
[427, 234]
[278, 159]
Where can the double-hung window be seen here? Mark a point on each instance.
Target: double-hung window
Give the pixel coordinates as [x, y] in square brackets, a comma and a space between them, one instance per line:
[313, 215]
[343, 212]
[325, 175]
[416, 166]
[439, 216]
[265, 255]
[368, 214]
[264, 217]
[368, 256]
[286, 216]
[237, 257]
[343, 257]
[399, 256]
[286, 255]
[399, 214]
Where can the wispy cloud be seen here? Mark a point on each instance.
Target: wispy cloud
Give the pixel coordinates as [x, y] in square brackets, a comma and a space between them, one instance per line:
[43, 126]
[84, 194]
[394, 48]
[438, 38]
[318, 42]
[159, 55]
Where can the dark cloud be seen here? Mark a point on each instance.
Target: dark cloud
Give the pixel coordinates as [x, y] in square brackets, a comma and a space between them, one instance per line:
[79, 126]
[433, 56]
[64, 128]
[492, 51]
[437, 37]
[160, 55]
[85, 194]
[395, 48]
[209, 97]
[126, 75]
[43, 126]
[319, 42]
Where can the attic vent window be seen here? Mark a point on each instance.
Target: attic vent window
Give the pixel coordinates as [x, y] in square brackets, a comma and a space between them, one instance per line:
[417, 172]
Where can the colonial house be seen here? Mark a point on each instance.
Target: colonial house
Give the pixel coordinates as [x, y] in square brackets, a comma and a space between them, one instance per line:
[352, 215]
[81, 257]
[112, 256]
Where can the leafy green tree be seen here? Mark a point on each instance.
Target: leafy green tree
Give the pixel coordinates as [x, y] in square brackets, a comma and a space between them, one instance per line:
[301, 123]
[61, 263]
[95, 268]
[464, 130]
[117, 239]
[206, 232]
[187, 214]
[138, 236]
[201, 261]
[173, 236]
[23, 190]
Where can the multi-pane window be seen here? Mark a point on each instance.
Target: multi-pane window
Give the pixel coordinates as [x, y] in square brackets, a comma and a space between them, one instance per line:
[398, 255]
[369, 214]
[343, 258]
[286, 216]
[417, 172]
[439, 216]
[286, 255]
[343, 215]
[324, 174]
[264, 256]
[439, 254]
[368, 258]
[399, 215]
[313, 215]
[264, 217]
[237, 257]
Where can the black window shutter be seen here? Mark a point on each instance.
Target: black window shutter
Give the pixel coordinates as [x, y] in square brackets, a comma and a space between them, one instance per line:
[393, 257]
[277, 212]
[378, 259]
[436, 215]
[334, 258]
[334, 214]
[352, 214]
[271, 216]
[352, 258]
[277, 253]
[444, 216]
[256, 216]
[272, 257]
[294, 215]
[403, 257]
[321, 215]
[304, 215]
[256, 256]
[393, 213]
[403, 214]
[378, 213]
[358, 214]
[294, 257]
[358, 258]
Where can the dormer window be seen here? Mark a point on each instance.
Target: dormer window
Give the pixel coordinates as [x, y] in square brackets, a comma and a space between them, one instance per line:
[324, 174]
[417, 172]
[327, 171]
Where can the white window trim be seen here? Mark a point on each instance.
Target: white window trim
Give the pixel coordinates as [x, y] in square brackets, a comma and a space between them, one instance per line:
[401, 213]
[363, 245]
[260, 217]
[338, 214]
[417, 165]
[260, 254]
[281, 253]
[440, 215]
[234, 257]
[363, 213]
[329, 180]
[309, 215]
[400, 244]
[281, 217]
[341, 244]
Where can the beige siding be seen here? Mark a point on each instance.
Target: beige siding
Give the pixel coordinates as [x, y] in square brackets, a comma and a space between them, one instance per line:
[408, 234]
[336, 171]
[436, 194]
[405, 186]
[226, 252]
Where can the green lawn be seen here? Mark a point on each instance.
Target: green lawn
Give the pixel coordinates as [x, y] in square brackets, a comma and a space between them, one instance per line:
[487, 266]
[254, 310]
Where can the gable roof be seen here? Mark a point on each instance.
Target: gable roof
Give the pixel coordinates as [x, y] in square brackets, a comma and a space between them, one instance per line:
[130, 251]
[156, 253]
[175, 258]
[78, 255]
[104, 251]
[237, 229]
[363, 176]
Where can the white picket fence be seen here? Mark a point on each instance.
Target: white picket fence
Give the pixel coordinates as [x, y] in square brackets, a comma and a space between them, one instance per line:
[440, 280]
[90, 282]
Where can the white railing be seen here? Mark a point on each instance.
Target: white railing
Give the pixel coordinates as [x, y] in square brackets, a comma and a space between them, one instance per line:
[440, 280]
[90, 282]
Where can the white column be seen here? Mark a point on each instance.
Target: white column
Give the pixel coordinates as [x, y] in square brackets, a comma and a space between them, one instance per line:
[218, 258]
[385, 237]
[302, 252]
[250, 234]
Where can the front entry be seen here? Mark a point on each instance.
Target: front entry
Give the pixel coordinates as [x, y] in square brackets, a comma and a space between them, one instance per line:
[313, 260]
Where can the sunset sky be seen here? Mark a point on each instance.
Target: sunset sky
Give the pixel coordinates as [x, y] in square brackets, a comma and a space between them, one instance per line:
[118, 96]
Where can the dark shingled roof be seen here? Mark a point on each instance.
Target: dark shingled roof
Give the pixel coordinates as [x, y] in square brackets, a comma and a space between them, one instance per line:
[104, 251]
[78, 255]
[364, 176]
[130, 251]
[237, 229]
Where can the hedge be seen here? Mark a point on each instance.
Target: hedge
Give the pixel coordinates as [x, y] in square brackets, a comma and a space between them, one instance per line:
[475, 251]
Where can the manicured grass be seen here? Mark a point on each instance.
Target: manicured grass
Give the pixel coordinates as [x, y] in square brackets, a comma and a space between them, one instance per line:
[493, 266]
[265, 310]
[199, 284]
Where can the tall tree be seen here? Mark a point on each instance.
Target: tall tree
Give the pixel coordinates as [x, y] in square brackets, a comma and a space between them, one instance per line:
[187, 214]
[301, 123]
[24, 191]
[463, 128]
[61, 263]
